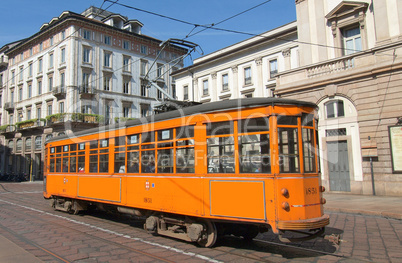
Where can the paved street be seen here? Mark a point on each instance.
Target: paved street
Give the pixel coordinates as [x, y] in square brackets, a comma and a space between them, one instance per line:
[27, 220]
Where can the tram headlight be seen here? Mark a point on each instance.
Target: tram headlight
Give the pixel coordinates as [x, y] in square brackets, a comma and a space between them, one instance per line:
[285, 192]
[322, 189]
[285, 206]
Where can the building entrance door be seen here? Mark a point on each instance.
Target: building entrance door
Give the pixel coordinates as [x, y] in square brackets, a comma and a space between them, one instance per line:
[338, 166]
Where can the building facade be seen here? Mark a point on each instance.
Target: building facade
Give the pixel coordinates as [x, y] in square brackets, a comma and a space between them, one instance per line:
[345, 56]
[79, 71]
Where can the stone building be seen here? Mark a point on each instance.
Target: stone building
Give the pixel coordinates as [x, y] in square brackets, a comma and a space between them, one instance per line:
[78, 71]
[345, 56]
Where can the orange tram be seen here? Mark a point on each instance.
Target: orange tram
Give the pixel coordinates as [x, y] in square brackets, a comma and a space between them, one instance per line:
[236, 167]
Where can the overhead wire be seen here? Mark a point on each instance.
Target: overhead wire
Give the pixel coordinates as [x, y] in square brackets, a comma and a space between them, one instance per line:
[212, 27]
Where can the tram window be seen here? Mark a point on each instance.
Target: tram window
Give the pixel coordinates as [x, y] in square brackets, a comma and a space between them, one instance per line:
[104, 143]
[73, 147]
[185, 143]
[73, 164]
[120, 162]
[219, 128]
[51, 168]
[165, 161]
[93, 163]
[307, 119]
[253, 125]
[288, 150]
[148, 137]
[93, 144]
[65, 165]
[58, 149]
[165, 135]
[221, 155]
[287, 120]
[308, 150]
[65, 148]
[81, 164]
[104, 163]
[148, 161]
[58, 165]
[185, 132]
[133, 162]
[185, 160]
[52, 150]
[120, 141]
[133, 139]
[82, 146]
[254, 153]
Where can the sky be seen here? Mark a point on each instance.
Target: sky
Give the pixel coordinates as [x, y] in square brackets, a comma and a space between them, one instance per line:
[22, 18]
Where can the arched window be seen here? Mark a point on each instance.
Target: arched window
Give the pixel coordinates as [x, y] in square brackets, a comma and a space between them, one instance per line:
[28, 144]
[38, 142]
[11, 145]
[19, 146]
[334, 109]
[48, 137]
[61, 133]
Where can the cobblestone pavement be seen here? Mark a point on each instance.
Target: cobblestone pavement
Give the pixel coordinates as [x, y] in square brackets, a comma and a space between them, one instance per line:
[27, 220]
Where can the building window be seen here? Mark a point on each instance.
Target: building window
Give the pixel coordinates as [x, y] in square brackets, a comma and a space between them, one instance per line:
[143, 89]
[205, 90]
[106, 60]
[61, 107]
[63, 34]
[144, 49]
[30, 70]
[159, 70]
[126, 86]
[107, 40]
[29, 90]
[87, 34]
[40, 65]
[144, 110]
[12, 77]
[29, 114]
[85, 82]
[126, 112]
[38, 142]
[51, 60]
[126, 63]
[273, 68]
[51, 40]
[39, 87]
[352, 40]
[38, 113]
[225, 82]
[41, 46]
[20, 93]
[86, 55]
[21, 73]
[144, 66]
[62, 81]
[247, 76]
[126, 45]
[185, 92]
[49, 109]
[63, 55]
[106, 83]
[334, 109]
[50, 83]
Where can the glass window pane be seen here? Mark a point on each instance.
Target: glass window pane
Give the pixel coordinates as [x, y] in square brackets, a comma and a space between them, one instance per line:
[288, 150]
[308, 150]
[133, 162]
[254, 153]
[165, 161]
[93, 163]
[253, 125]
[185, 160]
[219, 128]
[148, 161]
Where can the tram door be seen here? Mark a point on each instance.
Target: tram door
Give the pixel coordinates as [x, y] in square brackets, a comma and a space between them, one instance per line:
[338, 166]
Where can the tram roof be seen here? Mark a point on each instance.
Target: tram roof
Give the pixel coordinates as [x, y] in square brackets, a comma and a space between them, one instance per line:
[192, 110]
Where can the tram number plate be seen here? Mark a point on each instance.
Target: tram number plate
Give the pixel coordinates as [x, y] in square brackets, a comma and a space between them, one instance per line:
[311, 191]
[147, 200]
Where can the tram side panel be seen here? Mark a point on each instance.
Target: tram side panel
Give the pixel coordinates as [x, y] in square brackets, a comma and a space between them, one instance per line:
[61, 185]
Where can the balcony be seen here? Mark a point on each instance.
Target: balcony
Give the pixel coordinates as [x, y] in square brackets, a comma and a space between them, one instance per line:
[30, 124]
[7, 129]
[59, 92]
[9, 106]
[87, 92]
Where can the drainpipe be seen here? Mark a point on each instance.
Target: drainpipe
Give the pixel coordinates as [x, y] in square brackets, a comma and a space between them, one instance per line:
[372, 174]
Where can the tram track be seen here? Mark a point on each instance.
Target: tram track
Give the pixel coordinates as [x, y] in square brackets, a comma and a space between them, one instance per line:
[95, 220]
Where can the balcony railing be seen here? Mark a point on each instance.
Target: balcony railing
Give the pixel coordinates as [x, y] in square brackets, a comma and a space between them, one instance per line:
[74, 117]
[7, 128]
[86, 92]
[330, 67]
[59, 91]
[34, 123]
[9, 106]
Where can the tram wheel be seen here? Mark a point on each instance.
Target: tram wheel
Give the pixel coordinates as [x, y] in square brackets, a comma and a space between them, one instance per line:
[211, 234]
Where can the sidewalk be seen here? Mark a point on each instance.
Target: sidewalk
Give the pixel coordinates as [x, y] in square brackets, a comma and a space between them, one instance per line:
[384, 206]
[12, 253]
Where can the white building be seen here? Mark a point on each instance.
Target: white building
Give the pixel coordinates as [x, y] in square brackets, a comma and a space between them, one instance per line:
[79, 71]
[345, 56]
